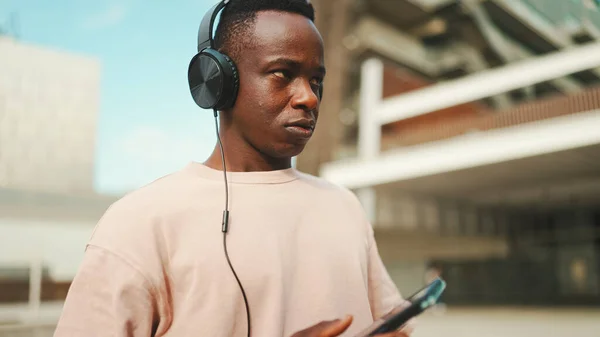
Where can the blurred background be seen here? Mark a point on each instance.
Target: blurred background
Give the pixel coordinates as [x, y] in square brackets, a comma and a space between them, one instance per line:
[470, 130]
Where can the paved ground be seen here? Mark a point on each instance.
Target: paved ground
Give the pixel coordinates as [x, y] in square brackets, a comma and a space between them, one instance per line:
[510, 322]
[48, 312]
[454, 322]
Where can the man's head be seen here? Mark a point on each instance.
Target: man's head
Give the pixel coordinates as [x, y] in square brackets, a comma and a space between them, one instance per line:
[279, 55]
[234, 31]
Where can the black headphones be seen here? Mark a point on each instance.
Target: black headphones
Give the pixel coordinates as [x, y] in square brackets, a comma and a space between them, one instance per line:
[212, 76]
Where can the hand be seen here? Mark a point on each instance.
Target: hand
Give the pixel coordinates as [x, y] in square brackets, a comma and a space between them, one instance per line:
[335, 328]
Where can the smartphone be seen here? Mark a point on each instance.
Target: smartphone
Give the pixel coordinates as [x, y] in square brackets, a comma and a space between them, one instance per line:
[420, 301]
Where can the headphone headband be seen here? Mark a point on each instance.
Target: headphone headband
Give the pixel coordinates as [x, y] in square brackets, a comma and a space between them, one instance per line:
[205, 34]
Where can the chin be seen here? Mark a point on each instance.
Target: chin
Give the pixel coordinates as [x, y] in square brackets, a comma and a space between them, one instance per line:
[288, 151]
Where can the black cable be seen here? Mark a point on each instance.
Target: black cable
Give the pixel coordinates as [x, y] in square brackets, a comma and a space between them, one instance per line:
[225, 225]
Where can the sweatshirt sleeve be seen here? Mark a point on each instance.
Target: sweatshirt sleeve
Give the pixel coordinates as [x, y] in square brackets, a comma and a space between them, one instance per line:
[108, 297]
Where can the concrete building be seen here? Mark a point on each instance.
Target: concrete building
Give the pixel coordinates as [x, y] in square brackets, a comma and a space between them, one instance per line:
[469, 129]
[49, 102]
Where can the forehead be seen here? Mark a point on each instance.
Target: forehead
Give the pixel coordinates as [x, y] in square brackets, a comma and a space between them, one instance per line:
[286, 34]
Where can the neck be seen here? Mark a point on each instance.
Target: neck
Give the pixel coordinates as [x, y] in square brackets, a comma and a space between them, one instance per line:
[240, 155]
[245, 159]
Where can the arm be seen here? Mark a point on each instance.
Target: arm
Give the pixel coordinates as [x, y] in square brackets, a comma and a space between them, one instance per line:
[108, 297]
[383, 293]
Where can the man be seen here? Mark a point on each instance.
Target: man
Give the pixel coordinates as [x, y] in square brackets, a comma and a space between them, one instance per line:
[301, 247]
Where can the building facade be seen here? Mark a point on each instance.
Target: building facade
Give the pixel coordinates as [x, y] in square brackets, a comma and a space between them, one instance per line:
[49, 103]
[468, 129]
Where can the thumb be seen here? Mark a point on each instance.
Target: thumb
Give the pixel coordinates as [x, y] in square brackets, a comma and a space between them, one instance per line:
[337, 327]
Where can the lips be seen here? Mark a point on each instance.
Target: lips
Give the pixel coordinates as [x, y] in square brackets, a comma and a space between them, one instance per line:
[307, 124]
[301, 129]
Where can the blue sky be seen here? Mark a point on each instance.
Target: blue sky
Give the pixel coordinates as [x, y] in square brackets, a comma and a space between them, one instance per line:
[148, 124]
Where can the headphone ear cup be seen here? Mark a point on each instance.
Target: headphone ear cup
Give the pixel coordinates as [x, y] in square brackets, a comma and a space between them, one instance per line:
[213, 80]
[205, 81]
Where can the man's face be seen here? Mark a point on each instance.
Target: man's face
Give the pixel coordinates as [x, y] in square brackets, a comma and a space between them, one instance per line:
[280, 75]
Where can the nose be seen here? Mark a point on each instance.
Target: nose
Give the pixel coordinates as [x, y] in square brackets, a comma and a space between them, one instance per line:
[305, 97]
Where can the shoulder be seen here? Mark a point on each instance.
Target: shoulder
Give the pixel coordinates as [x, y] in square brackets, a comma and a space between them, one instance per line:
[147, 201]
[335, 193]
[322, 184]
[133, 222]
[327, 186]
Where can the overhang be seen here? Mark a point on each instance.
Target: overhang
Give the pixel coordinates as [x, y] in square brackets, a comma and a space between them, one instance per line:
[33, 205]
[564, 149]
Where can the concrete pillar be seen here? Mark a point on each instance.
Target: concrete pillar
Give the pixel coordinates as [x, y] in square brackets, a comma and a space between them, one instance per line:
[332, 19]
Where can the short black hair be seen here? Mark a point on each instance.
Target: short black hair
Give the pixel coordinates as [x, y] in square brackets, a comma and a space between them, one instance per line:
[233, 30]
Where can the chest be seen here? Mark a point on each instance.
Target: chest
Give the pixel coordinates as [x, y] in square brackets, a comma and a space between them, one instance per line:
[275, 250]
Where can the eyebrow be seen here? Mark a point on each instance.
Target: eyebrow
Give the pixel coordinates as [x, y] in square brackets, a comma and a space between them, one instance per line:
[293, 64]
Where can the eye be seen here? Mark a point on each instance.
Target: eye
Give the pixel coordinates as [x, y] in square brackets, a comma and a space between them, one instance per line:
[316, 82]
[283, 73]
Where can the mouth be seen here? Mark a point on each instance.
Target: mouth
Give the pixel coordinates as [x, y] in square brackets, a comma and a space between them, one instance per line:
[307, 124]
[302, 128]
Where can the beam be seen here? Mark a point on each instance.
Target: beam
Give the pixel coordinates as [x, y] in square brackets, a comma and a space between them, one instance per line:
[476, 63]
[591, 29]
[548, 194]
[371, 93]
[35, 287]
[375, 35]
[369, 134]
[410, 246]
[485, 148]
[508, 49]
[488, 83]
[548, 31]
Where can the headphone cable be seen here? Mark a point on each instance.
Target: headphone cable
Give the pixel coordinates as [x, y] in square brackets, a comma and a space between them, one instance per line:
[225, 224]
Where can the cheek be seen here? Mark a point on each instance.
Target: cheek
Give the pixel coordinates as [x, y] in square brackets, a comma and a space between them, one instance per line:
[262, 103]
[255, 92]
[267, 108]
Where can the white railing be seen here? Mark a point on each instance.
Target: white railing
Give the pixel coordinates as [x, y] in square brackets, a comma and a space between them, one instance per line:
[32, 310]
[32, 318]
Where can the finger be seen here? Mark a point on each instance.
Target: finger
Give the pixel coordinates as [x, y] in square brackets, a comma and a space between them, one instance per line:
[337, 328]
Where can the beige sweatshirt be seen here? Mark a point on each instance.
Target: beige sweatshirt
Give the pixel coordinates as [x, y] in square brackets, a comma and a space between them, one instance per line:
[155, 264]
